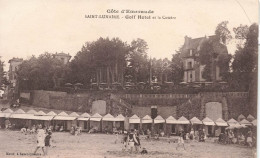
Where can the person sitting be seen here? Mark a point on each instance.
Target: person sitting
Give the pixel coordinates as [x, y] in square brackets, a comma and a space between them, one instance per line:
[241, 139]
[72, 131]
[92, 130]
[144, 151]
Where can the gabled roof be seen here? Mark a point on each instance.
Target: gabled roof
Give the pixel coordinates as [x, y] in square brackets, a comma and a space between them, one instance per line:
[19, 111]
[254, 122]
[183, 120]
[31, 111]
[147, 117]
[250, 117]
[63, 114]
[8, 111]
[120, 116]
[85, 115]
[134, 117]
[97, 115]
[159, 117]
[241, 117]
[245, 122]
[74, 114]
[108, 116]
[171, 120]
[221, 122]
[40, 113]
[51, 113]
[195, 120]
[208, 122]
[232, 121]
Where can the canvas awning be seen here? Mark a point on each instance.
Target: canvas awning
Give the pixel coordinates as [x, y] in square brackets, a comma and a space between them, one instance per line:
[220, 122]
[147, 119]
[96, 117]
[108, 117]
[51, 113]
[120, 118]
[159, 119]
[20, 114]
[64, 117]
[195, 120]
[171, 120]
[182, 120]
[208, 122]
[134, 119]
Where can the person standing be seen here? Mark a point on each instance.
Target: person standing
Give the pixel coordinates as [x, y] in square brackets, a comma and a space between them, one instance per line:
[180, 140]
[40, 139]
[131, 140]
[137, 142]
[47, 142]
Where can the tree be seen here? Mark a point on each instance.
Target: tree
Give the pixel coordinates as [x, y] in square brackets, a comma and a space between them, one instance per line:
[3, 80]
[138, 63]
[177, 68]
[245, 58]
[240, 34]
[40, 73]
[222, 32]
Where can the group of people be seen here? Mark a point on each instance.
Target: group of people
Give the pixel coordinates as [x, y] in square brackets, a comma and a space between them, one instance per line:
[43, 139]
[75, 130]
[131, 141]
[237, 137]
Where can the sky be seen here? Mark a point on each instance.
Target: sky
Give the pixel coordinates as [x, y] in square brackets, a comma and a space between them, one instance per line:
[33, 27]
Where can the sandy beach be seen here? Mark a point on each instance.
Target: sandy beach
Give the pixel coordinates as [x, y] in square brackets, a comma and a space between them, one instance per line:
[65, 145]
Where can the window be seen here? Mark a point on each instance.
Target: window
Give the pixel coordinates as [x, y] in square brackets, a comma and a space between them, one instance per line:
[190, 52]
[191, 76]
[189, 65]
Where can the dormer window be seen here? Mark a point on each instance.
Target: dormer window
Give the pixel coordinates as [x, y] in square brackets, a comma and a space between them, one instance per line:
[190, 52]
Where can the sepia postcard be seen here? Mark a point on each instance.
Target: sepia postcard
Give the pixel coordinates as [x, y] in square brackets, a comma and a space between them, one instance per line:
[111, 78]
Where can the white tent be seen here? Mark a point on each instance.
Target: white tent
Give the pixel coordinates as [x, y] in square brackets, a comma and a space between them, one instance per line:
[134, 119]
[220, 122]
[41, 113]
[108, 117]
[63, 116]
[120, 118]
[245, 122]
[147, 119]
[51, 113]
[20, 114]
[254, 122]
[195, 120]
[182, 120]
[6, 113]
[250, 118]
[96, 117]
[208, 122]
[43, 116]
[159, 119]
[241, 117]
[232, 122]
[171, 120]
[84, 117]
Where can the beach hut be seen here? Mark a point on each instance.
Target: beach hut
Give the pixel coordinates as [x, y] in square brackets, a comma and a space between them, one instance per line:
[250, 118]
[42, 118]
[6, 113]
[240, 117]
[171, 123]
[95, 122]
[220, 126]
[108, 123]
[83, 121]
[208, 126]
[21, 119]
[120, 122]
[62, 120]
[245, 122]
[196, 123]
[159, 124]
[182, 124]
[72, 123]
[146, 123]
[134, 122]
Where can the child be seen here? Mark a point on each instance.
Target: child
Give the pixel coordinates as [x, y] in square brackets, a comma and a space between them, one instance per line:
[47, 142]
